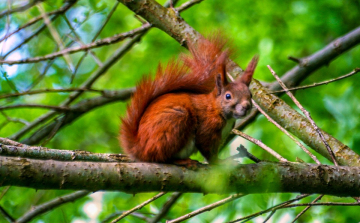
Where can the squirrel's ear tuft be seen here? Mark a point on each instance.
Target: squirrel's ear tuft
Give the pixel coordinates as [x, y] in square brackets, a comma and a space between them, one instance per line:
[248, 74]
[219, 84]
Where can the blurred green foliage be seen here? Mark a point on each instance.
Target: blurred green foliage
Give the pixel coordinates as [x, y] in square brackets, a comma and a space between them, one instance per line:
[273, 29]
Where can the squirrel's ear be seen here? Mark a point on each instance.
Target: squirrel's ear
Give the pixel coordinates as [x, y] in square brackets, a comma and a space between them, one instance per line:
[219, 84]
[247, 75]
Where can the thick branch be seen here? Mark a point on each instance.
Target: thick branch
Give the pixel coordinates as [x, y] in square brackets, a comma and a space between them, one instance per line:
[252, 178]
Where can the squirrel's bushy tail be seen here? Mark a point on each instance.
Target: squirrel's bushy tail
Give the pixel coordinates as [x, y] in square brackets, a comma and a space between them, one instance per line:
[194, 75]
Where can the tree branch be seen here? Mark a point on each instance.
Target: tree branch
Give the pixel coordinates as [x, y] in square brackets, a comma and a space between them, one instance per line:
[298, 125]
[320, 58]
[63, 9]
[138, 207]
[77, 110]
[148, 177]
[356, 70]
[207, 208]
[307, 114]
[40, 209]
[20, 8]
[43, 153]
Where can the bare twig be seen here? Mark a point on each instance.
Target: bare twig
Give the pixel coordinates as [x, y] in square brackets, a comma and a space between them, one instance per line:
[126, 213]
[40, 209]
[187, 5]
[286, 132]
[7, 25]
[20, 8]
[261, 144]
[9, 119]
[12, 148]
[281, 205]
[166, 207]
[52, 133]
[307, 114]
[356, 70]
[96, 35]
[98, 43]
[42, 91]
[55, 108]
[117, 213]
[207, 208]
[3, 192]
[78, 40]
[63, 9]
[323, 204]
[268, 217]
[243, 152]
[297, 60]
[37, 32]
[307, 208]
[6, 215]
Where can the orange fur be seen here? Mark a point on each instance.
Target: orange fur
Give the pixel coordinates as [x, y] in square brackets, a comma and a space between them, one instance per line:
[185, 107]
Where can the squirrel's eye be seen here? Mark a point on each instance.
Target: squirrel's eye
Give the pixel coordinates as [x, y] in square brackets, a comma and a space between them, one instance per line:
[228, 96]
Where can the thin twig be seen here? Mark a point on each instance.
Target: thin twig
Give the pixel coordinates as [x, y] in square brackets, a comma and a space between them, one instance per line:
[42, 91]
[323, 204]
[207, 208]
[307, 208]
[14, 149]
[3, 192]
[286, 132]
[6, 215]
[307, 114]
[40, 209]
[126, 213]
[252, 216]
[55, 36]
[166, 207]
[55, 108]
[63, 9]
[297, 60]
[356, 70]
[37, 32]
[56, 128]
[243, 152]
[7, 28]
[261, 144]
[78, 40]
[96, 44]
[17, 120]
[187, 5]
[134, 214]
[96, 36]
[20, 8]
[269, 216]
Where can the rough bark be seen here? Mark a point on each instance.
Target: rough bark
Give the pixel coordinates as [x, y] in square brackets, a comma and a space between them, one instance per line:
[145, 177]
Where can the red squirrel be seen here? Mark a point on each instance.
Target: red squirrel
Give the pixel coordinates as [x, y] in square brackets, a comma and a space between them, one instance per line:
[186, 107]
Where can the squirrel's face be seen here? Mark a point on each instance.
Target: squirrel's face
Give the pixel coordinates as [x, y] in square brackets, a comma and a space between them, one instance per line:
[235, 101]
